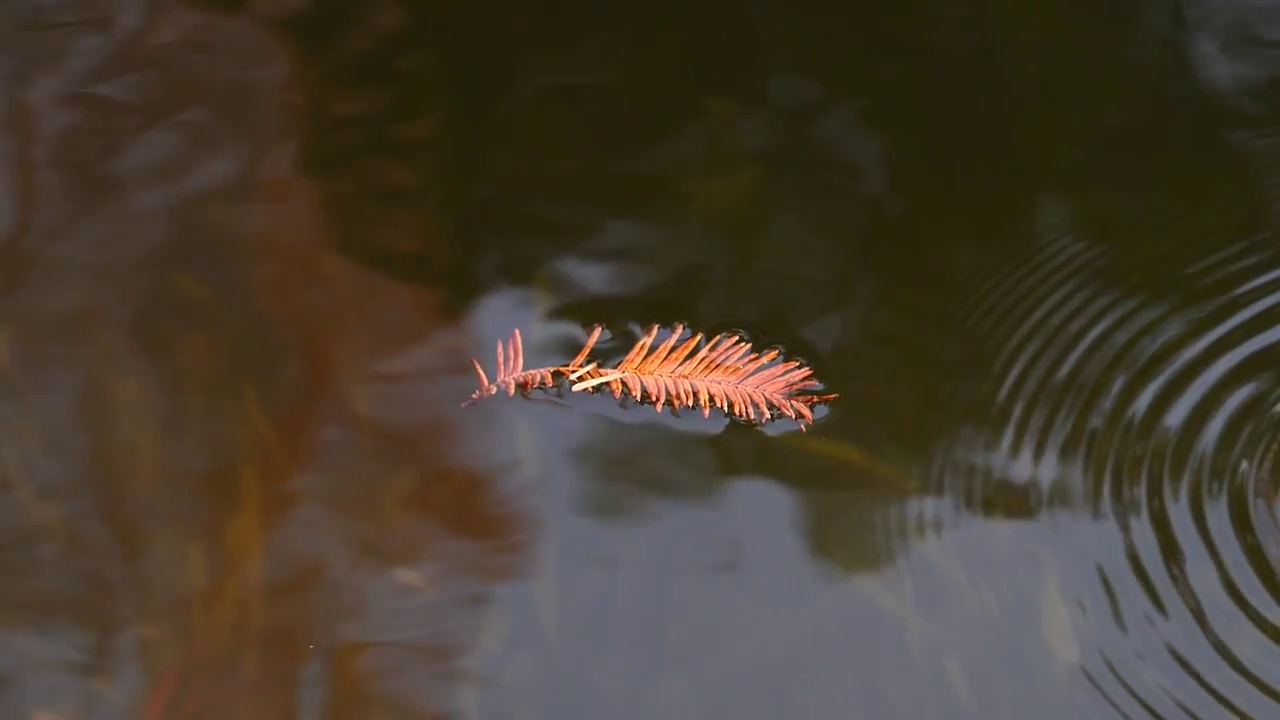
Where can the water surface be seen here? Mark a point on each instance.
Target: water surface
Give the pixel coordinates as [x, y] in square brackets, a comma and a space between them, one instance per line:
[247, 251]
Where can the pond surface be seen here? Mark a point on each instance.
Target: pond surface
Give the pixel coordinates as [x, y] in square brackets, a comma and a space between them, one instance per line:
[248, 250]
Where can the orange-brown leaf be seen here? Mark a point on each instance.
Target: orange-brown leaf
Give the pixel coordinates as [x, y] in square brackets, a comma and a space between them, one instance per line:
[724, 373]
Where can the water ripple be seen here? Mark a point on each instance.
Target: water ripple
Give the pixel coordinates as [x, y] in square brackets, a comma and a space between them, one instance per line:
[1154, 413]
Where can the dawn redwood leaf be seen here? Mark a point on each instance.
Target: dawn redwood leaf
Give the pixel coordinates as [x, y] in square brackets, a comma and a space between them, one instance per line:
[725, 373]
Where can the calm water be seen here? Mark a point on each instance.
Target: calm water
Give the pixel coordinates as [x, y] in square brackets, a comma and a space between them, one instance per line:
[247, 250]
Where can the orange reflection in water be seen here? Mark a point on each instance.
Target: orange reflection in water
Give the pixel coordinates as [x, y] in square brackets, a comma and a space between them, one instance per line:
[277, 537]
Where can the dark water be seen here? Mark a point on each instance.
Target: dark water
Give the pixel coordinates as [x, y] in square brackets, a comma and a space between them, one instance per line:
[248, 248]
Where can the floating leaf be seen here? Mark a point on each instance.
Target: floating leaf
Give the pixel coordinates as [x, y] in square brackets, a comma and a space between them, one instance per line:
[724, 372]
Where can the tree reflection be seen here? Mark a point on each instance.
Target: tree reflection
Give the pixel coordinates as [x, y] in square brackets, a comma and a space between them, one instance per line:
[230, 501]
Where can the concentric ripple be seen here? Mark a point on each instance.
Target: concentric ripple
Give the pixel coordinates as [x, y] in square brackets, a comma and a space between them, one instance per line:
[1151, 409]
